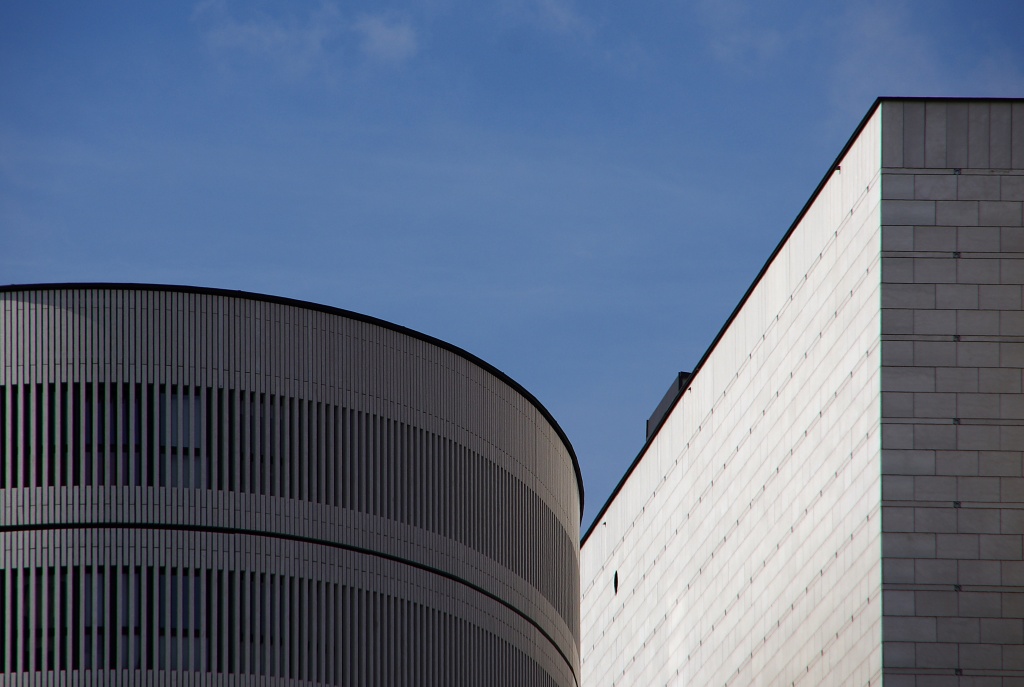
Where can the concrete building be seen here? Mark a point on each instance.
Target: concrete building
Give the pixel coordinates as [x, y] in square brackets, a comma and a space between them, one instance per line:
[835, 495]
[210, 487]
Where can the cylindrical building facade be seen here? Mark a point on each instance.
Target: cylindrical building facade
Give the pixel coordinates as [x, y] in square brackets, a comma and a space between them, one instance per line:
[245, 488]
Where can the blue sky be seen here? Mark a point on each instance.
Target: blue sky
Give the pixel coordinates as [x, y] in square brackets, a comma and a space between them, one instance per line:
[577, 192]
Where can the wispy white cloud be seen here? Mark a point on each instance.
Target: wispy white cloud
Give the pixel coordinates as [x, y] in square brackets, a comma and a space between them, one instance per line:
[561, 16]
[292, 45]
[554, 16]
[879, 53]
[582, 28]
[387, 39]
[861, 50]
[297, 45]
[735, 36]
[881, 50]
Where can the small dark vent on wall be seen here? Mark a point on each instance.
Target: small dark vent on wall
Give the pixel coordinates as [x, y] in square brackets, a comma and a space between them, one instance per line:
[666, 403]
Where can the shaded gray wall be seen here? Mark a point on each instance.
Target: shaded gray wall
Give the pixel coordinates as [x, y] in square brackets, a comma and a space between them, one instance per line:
[952, 408]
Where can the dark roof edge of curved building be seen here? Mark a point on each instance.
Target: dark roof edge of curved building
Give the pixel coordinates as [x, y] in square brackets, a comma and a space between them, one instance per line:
[331, 310]
[757, 280]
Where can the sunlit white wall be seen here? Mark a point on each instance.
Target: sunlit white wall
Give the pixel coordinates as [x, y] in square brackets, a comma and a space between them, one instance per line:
[746, 542]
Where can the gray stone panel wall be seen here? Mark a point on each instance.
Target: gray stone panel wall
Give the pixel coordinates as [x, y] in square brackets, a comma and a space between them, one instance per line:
[213, 445]
[952, 408]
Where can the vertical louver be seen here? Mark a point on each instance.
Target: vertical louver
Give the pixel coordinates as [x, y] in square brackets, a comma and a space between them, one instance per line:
[203, 482]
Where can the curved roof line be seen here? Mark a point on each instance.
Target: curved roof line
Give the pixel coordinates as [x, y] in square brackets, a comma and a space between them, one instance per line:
[309, 305]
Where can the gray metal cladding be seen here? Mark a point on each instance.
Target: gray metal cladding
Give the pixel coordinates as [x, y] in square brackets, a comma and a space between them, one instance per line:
[417, 510]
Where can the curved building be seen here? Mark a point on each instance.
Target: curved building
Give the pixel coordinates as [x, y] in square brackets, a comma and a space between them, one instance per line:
[245, 488]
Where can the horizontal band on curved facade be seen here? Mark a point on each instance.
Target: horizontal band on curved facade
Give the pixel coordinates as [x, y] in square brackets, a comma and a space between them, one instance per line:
[212, 410]
[149, 600]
